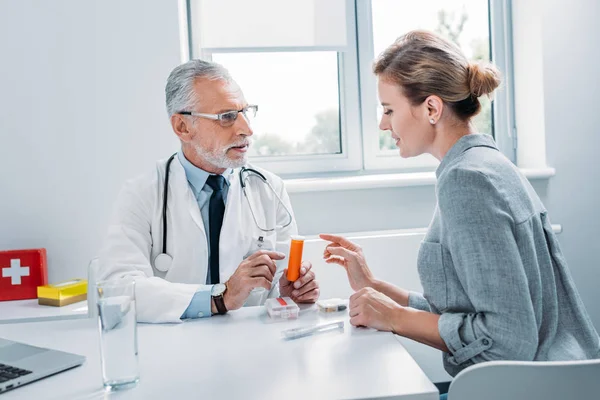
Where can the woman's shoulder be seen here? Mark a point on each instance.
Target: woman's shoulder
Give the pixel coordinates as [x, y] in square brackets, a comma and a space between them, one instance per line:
[485, 162]
[485, 177]
[476, 168]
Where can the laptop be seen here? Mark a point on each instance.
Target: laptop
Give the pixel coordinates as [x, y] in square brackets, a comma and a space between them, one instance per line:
[21, 364]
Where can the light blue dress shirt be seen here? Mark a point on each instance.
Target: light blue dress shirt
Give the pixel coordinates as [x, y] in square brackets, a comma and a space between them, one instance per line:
[200, 306]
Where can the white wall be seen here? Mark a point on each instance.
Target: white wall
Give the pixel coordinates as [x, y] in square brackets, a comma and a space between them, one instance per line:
[81, 110]
[571, 85]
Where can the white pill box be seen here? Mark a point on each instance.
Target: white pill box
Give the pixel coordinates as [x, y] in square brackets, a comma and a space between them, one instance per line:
[282, 308]
[332, 305]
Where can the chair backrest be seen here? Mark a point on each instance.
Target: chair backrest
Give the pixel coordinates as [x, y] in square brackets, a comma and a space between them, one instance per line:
[521, 380]
[91, 289]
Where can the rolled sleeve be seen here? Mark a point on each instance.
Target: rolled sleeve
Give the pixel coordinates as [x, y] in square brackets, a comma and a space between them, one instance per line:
[450, 327]
[416, 300]
[200, 306]
[480, 236]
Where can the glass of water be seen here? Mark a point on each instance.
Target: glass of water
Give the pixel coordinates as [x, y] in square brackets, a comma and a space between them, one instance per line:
[118, 333]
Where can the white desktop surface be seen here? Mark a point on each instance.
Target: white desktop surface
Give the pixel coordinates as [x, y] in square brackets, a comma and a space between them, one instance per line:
[31, 311]
[237, 356]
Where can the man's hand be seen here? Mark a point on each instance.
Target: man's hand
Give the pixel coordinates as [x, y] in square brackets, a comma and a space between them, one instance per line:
[255, 271]
[304, 290]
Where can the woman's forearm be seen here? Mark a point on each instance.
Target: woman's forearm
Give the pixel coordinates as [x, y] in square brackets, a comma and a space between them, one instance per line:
[421, 326]
[395, 293]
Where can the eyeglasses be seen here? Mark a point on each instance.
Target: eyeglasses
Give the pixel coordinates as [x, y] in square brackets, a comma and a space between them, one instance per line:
[227, 118]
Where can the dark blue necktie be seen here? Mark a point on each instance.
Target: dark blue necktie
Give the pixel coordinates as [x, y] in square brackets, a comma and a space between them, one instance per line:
[216, 210]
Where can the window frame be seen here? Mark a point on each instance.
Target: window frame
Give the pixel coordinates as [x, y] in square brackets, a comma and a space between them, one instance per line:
[501, 41]
[358, 100]
[350, 158]
[504, 131]
[373, 159]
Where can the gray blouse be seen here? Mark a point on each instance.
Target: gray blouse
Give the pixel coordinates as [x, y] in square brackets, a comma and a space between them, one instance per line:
[491, 266]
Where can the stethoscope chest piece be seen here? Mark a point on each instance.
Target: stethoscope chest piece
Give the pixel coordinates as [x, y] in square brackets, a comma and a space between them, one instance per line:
[163, 262]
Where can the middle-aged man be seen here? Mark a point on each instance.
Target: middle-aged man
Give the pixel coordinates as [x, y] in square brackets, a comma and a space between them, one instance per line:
[193, 240]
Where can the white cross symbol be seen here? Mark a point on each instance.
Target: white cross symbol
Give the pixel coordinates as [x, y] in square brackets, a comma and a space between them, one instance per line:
[15, 272]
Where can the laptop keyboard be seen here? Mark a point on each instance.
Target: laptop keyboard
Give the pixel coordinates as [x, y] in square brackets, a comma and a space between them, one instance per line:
[7, 373]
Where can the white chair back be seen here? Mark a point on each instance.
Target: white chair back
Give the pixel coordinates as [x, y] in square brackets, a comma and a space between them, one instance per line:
[528, 380]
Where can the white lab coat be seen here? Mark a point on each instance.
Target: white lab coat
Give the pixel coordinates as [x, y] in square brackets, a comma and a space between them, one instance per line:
[135, 238]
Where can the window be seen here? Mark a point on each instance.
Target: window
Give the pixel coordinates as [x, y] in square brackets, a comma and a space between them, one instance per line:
[309, 70]
[465, 22]
[292, 119]
[299, 67]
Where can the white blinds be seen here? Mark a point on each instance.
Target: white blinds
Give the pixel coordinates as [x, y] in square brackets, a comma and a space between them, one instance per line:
[240, 24]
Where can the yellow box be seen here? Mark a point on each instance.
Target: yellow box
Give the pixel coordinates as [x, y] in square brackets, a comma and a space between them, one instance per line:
[62, 293]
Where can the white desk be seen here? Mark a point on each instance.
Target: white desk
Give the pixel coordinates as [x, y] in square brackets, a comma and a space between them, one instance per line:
[237, 356]
[31, 311]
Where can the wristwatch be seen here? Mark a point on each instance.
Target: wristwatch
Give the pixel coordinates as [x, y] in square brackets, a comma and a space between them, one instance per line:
[217, 292]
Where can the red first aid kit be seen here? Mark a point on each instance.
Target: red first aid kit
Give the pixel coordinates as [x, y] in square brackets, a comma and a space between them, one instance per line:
[21, 272]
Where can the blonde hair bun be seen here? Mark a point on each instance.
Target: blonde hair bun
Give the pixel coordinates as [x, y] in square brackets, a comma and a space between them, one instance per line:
[424, 63]
[484, 78]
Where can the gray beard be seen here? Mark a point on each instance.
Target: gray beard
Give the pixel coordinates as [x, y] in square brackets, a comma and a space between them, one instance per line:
[219, 159]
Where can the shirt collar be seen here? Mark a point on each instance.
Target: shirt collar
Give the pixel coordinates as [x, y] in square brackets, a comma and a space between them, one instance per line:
[197, 177]
[463, 144]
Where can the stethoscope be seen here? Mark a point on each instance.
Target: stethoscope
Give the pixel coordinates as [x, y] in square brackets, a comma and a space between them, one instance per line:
[163, 261]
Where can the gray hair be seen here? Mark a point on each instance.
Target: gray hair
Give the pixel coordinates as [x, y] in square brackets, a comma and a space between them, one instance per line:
[179, 91]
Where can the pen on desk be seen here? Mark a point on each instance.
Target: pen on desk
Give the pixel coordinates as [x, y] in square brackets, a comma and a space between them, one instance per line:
[296, 333]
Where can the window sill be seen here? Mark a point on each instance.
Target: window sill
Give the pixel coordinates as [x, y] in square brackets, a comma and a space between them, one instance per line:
[375, 181]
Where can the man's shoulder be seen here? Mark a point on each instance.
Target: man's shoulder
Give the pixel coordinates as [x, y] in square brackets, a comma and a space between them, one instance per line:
[146, 181]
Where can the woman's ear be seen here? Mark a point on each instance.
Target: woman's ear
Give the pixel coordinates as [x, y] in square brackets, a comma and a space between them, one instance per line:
[180, 127]
[434, 108]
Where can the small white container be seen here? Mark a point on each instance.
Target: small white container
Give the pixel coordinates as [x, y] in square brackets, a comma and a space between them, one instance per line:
[282, 308]
[332, 305]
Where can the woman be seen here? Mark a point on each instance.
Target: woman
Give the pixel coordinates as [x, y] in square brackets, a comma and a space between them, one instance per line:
[496, 285]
